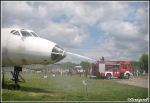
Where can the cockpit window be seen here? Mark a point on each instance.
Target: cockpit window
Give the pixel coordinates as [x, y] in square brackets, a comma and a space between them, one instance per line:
[25, 33]
[16, 33]
[33, 34]
[12, 31]
[57, 52]
[57, 49]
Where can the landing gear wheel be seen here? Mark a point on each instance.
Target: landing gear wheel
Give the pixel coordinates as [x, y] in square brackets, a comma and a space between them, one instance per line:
[14, 87]
[15, 76]
[17, 87]
[11, 87]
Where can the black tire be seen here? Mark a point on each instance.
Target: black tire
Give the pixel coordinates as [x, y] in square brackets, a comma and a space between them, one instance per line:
[108, 76]
[14, 87]
[17, 87]
[98, 75]
[121, 76]
[11, 87]
[102, 77]
[127, 76]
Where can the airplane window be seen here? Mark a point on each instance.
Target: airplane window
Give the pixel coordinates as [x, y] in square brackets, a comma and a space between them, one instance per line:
[33, 34]
[16, 33]
[25, 33]
[12, 31]
[57, 52]
[57, 49]
[55, 56]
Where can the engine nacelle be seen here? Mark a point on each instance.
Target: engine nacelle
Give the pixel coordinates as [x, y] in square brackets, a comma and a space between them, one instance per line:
[34, 66]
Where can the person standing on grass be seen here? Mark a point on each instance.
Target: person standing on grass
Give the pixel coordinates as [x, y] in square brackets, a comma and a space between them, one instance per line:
[69, 72]
[79, 73]
[25, 70]
[61, 71]
[90, 72]
[86, 72]
[137, 72]
[144, 72]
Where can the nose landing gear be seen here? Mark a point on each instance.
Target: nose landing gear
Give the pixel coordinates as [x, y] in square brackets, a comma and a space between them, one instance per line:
[15, 76]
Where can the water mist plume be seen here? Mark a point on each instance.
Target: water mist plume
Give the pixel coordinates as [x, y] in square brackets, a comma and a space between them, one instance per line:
[81, 56]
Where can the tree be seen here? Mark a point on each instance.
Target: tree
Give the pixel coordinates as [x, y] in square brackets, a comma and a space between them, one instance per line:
[67, 65]
[135, 65]
[85, 64]
[144, 61]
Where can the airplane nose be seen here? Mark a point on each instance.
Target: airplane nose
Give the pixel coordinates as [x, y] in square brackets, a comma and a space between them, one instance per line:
[58, 53]
[62, 57]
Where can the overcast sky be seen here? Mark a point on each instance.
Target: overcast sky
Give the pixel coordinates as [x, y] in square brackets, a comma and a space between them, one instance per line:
[115, 30]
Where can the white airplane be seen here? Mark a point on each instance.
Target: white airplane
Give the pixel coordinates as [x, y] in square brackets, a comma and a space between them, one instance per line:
[22, 48]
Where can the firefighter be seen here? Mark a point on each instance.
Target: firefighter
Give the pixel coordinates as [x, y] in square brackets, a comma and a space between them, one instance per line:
[102, 58]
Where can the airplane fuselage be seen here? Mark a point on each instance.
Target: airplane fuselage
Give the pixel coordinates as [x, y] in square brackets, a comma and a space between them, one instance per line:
[24, 48]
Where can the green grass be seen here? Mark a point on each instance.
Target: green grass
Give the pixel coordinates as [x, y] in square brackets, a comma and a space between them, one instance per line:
[63, 88]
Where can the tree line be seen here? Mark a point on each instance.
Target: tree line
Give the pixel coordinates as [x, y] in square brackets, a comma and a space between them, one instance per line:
[70, 65]
[142, 63]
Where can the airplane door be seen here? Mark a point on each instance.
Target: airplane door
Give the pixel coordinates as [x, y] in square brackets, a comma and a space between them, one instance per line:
[101, 68]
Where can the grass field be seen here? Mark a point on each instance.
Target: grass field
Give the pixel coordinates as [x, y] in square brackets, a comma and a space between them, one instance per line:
[63, 88]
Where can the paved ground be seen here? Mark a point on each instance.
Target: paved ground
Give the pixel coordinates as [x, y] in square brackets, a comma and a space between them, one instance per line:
[133, 80]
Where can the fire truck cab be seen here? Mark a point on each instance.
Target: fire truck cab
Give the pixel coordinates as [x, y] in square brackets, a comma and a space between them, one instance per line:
[108, 69]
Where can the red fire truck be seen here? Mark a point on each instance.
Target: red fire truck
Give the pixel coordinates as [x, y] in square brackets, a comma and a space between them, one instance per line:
[108, 69]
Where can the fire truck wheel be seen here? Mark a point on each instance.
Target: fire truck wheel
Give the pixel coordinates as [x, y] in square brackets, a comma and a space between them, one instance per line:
[108, 76]
[121, 76]
[102, 77]
[127, 76]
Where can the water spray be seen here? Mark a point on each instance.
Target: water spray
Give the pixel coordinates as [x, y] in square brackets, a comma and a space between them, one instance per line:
[81, 56]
